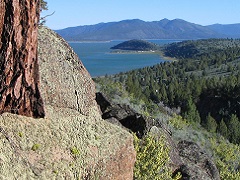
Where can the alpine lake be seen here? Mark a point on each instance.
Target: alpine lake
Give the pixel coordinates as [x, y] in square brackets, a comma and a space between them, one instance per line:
[99, 59]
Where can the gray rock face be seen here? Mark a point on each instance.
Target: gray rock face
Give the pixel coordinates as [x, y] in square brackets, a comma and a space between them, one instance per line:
[64, 80]
[197, 164]
[71, 141]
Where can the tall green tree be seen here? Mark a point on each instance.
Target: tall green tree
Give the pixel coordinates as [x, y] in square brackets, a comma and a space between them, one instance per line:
[211, 124]
[222, 129]
[234, 129]
[191, 112]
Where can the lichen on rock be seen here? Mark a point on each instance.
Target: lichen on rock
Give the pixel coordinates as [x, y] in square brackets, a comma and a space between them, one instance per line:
[71, 141]
[65, 82]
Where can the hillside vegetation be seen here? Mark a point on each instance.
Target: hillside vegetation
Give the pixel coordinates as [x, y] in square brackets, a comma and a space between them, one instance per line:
[203, 86]
[204, 83]
[136, 45]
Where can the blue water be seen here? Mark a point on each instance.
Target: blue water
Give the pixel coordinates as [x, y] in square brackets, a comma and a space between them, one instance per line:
[98, 60]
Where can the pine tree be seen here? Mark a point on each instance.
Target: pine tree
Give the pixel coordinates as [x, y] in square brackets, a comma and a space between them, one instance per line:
[211, 124]
[234, 129]
[222, 129]
[191, 113]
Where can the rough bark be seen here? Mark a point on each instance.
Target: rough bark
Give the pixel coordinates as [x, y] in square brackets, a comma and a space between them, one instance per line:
[19, 73]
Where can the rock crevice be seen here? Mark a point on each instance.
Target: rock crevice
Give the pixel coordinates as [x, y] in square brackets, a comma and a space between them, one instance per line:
[64, 80]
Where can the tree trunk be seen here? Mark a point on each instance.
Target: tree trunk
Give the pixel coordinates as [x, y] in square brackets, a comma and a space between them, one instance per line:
[19, 73]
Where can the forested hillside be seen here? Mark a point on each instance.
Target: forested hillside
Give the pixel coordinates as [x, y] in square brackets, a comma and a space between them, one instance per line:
[204, 83]
[202, 86]
[136, 45]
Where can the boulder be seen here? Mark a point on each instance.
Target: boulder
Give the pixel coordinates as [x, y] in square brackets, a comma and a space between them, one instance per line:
[128, 118]
[71, 141]
[186, 157]
[124, 115]
[196, 163]
[65, 82]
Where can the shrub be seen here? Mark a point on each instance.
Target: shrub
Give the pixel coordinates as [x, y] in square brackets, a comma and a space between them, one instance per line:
[211, 124]
[75, 151]
[20, 134]
[178, 122]
[227, 158]
[152, 158]
[35, 147]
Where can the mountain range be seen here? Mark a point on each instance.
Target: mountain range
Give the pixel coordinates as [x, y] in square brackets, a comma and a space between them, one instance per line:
[138, 29]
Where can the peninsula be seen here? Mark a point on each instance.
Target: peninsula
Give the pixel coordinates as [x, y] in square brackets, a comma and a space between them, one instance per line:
[136, 46]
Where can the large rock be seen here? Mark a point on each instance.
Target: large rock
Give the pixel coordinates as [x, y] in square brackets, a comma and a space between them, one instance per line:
[64, 145]
[123, 115]
[64, 80]
[186, 157]
[72, 141]
[197, 164]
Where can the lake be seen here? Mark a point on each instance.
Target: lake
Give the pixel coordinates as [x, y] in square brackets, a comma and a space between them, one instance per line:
[98, 60]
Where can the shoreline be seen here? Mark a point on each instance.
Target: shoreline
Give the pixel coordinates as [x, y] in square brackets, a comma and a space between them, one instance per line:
[160, 53]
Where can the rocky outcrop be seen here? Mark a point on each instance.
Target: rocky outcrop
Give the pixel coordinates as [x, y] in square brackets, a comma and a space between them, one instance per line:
[19, 75]
[64, 145]
[65, 82]
[71, 141]
[196, 163]
[186, 157]
[123, 115]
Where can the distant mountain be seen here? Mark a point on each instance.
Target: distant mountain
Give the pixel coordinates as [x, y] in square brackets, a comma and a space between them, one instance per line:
[138, 29]
[230, 30]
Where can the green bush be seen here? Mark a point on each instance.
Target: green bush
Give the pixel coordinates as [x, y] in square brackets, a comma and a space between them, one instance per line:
[227, 158]
[75, 151]
[178, 122]
[152, 158]
[35, 147]
[211, 124]
[20, 134]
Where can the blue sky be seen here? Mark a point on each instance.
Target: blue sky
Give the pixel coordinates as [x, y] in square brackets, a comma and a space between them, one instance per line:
[86, 12]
